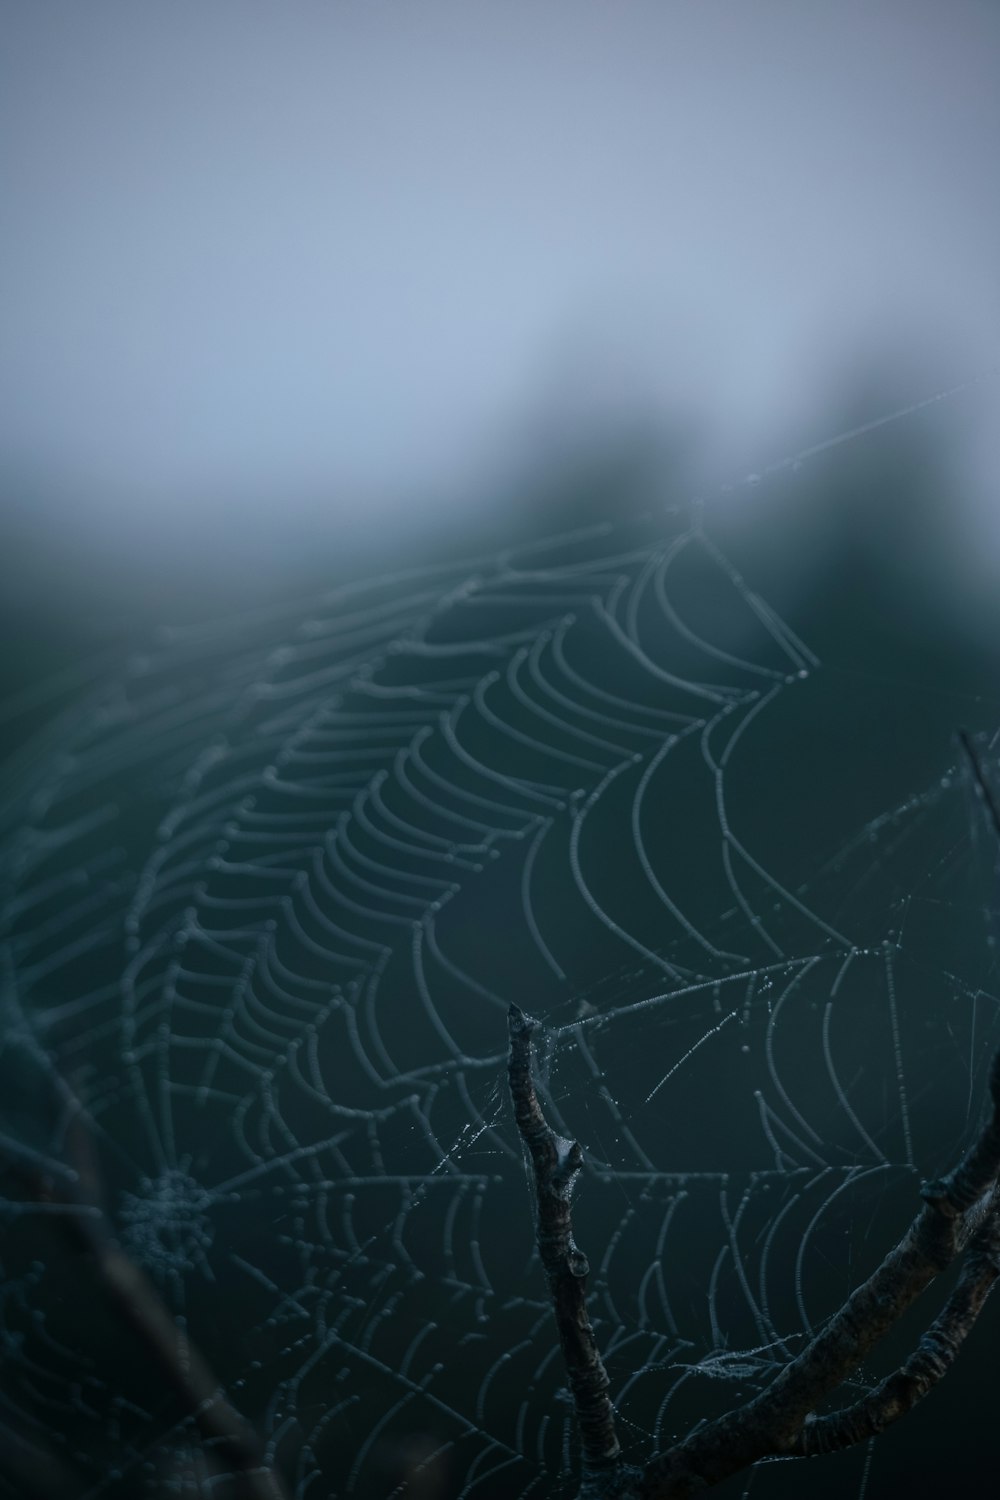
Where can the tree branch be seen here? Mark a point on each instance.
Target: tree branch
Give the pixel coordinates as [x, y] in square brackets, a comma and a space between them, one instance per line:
[961, 1214]
[772, 1424]
[930, 1361]
[556, 1165]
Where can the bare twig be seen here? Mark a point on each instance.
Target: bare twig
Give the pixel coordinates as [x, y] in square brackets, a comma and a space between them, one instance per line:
[556, 1164]
[930, 1361]
[774, 1424]
[961, 1215]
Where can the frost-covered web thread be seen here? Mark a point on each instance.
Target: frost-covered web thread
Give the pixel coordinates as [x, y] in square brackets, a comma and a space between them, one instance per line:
[266, 907]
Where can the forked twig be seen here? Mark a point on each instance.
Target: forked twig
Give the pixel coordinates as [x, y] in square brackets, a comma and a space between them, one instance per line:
[961, 1214]
[779, 1422]
[930, 1361]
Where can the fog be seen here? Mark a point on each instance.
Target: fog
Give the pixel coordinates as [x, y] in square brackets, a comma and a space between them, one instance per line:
[280, 273]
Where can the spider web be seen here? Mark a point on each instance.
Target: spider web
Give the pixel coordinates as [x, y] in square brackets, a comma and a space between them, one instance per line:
[265, 907]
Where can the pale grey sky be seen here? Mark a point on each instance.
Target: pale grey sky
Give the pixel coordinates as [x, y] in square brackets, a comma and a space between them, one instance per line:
[332, 253]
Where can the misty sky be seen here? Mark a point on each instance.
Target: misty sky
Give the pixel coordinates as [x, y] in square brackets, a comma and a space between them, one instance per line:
[332, 253]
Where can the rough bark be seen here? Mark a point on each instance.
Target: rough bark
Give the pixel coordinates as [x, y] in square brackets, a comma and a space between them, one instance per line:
[960, 1215]
[556, 1165]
